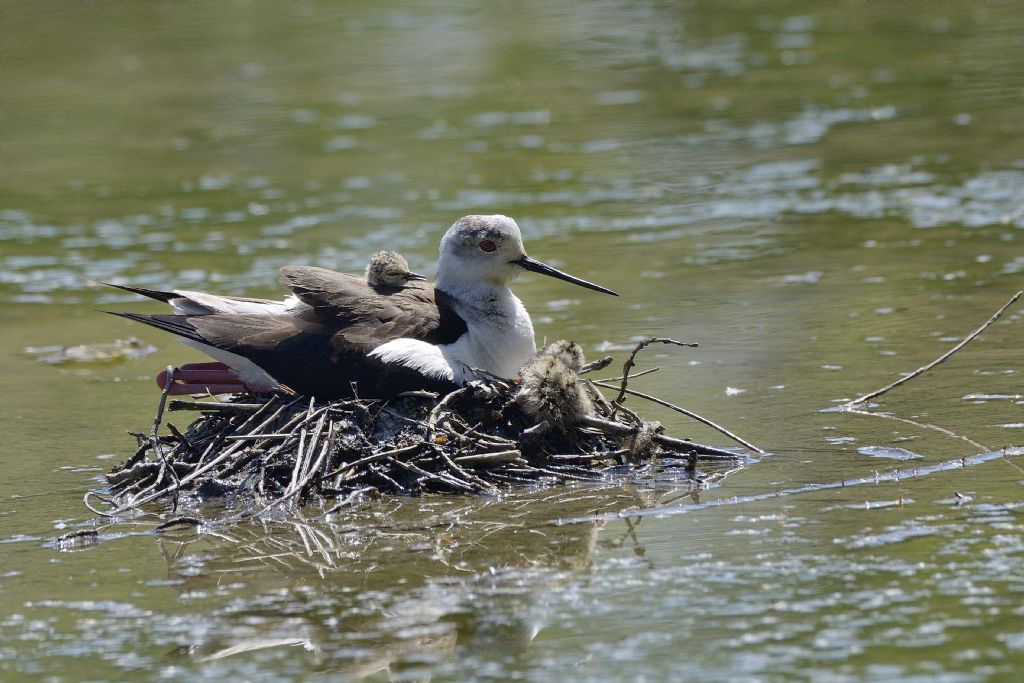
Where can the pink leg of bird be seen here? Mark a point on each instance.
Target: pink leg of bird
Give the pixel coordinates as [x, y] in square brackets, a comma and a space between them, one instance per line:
[200, 378]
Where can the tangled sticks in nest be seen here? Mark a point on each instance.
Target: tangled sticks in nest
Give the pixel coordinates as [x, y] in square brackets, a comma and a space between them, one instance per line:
[549, 426]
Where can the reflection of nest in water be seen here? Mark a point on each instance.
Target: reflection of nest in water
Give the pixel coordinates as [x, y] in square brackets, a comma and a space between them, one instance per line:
[481, 438]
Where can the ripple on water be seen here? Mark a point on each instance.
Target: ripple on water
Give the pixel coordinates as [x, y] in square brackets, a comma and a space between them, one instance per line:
[760, 193]
[806, 128]
[888, 452]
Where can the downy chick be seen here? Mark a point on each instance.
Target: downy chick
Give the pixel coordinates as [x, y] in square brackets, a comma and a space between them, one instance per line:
[389, 269]
[551, 389]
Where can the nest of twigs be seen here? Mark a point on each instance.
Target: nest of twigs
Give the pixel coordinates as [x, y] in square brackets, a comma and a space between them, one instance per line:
[271, 450]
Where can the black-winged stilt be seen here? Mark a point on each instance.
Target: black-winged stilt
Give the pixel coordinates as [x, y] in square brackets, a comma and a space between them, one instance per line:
[337, 335]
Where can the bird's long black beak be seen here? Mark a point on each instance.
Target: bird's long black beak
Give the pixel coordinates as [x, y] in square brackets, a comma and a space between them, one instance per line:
[544, 269]
[414, 276]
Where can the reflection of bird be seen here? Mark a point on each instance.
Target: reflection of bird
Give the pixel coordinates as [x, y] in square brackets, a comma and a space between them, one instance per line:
[336, 330]
[389, 269]
[551, 389]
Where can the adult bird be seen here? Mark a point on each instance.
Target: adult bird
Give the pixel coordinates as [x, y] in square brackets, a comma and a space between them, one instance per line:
[338, 336]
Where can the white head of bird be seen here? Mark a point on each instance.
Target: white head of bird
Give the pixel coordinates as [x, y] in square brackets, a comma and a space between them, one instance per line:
[488, 250]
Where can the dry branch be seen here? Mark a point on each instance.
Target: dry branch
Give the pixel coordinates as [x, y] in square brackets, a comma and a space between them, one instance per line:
[630, 362]
[684, 411]
[925, 368]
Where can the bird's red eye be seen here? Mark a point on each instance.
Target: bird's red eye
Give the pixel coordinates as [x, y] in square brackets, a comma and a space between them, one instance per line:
[488, 246]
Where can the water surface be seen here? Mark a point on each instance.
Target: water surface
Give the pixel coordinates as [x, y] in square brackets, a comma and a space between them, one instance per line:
[822, 196]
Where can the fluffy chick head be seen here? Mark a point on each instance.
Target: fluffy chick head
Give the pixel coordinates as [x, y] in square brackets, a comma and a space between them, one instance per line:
[389, 269]
[569, 352]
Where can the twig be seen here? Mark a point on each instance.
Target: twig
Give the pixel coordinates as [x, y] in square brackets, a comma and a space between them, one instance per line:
[300, 454]
[301, 457]
[256, 437]
[370, 458]
[139, 454]
[599, 364]
[168, 382]
[576, 474]
[348, 500]
[540, 429]
[178, 521]
[469, 476]
[632, 376]
[436, 411]
[611, 427]
[686, 412]
[925, 368]
[193, 474]
[587, 457]
[633, 416]
[484, 439]
[628, 365]
[488, 458]
[600, 402]
[301, 484]
[377, 472]
[94, 510]
[77, 539]
[439, 476]
[182, 439]
[212, 407]
[157, 419]
[417, 394]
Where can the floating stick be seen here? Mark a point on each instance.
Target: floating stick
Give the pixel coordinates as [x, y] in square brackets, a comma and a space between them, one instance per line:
[925, 368]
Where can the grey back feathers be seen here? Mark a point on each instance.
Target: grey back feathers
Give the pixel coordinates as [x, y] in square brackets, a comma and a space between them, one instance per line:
[389, 269]
[551, 389]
